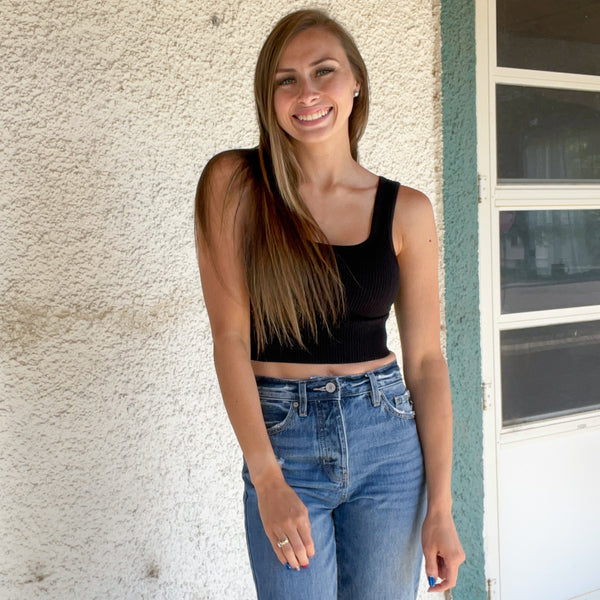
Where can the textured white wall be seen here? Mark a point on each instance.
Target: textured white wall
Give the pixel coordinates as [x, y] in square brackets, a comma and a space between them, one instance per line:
[119, 472]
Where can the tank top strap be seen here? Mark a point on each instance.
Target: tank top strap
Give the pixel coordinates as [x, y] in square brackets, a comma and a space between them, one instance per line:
[383, 210]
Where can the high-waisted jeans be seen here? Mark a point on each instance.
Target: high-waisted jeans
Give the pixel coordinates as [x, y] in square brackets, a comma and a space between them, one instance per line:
[349, 448]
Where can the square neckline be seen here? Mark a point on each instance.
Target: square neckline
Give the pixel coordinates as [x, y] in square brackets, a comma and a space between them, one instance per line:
[371, 225]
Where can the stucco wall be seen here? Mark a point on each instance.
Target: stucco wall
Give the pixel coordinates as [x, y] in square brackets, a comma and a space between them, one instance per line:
[119, 472]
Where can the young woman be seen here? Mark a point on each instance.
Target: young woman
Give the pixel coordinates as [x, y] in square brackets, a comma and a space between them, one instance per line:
[302, 252]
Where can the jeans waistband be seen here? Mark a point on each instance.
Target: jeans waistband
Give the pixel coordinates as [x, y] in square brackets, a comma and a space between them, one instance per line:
[324, 387]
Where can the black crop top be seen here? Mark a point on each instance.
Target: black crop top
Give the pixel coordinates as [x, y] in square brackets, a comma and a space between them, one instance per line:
[371, 279]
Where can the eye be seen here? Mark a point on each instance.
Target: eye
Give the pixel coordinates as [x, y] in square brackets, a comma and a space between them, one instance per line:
[285, 81]
[324, 71]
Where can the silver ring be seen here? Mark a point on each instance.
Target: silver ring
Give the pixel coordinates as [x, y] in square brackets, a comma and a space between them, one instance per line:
[283, 542]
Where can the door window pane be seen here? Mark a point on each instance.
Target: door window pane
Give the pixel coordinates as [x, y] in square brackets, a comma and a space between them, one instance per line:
[547, 134]
[549, 35]
[550, 371]
[549, 259]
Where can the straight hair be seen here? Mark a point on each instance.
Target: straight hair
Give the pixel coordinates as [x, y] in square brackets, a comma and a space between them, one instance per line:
[292, 277]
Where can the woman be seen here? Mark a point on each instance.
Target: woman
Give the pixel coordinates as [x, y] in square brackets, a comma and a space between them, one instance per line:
[302, 252]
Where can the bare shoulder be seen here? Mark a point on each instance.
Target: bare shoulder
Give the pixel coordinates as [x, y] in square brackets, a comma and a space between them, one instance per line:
[412, 204]
[413, 217]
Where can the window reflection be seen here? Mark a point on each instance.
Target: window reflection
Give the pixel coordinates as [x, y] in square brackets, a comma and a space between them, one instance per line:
[549, 35]
[549, 259]
[550, 371]
[547, 134]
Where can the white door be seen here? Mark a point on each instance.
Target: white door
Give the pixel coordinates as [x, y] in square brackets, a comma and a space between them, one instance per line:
[539, 162]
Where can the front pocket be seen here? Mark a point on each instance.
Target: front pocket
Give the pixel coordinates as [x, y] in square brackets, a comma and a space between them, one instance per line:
[400, 405]
[277, 414]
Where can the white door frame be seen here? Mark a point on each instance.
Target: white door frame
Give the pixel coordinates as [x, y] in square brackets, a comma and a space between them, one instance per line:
[491, 199]
[490, 435]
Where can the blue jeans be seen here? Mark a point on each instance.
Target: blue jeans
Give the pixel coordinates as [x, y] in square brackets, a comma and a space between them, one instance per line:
[349, 448]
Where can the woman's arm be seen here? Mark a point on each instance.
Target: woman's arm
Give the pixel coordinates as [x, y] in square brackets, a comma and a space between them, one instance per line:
[223, 284]
[418, 315]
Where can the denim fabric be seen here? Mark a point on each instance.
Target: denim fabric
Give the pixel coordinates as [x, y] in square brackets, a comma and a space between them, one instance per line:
[349, 448]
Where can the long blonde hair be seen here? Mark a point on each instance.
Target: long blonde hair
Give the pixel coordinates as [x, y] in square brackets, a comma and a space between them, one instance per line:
[291, 273]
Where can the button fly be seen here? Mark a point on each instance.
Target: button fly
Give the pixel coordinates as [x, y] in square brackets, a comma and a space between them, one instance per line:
[330, 387]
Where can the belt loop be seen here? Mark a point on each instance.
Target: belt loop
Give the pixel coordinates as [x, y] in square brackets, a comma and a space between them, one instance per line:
[375, 400]
[303, 400]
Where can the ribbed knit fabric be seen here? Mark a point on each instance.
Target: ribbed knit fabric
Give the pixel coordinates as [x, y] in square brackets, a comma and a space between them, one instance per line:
[371, 279]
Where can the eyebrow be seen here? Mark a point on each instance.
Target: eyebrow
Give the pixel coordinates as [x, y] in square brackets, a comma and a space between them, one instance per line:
[312, 64]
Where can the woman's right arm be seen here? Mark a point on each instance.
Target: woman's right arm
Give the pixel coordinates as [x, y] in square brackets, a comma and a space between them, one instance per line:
[223, 283]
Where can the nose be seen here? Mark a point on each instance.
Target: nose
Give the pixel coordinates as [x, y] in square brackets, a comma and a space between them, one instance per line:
[308, 92]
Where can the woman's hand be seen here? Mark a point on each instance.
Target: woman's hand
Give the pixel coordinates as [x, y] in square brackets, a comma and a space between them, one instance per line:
[442, 549]
[283, 516]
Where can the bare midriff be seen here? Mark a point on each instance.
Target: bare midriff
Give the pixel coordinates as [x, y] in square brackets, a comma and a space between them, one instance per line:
[304, 371]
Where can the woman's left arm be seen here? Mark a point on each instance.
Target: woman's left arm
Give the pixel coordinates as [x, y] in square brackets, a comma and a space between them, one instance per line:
[418, 315]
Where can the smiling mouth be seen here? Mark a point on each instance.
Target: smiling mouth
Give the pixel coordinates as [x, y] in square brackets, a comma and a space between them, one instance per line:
[313, 116]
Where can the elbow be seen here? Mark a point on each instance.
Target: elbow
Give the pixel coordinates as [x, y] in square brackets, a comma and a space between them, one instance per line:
[230, 343]
[425, 366]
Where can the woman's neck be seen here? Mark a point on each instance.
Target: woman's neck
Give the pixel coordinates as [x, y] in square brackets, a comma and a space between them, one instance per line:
[325, 165]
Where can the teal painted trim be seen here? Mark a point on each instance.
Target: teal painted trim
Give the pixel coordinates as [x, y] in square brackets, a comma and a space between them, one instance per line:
[462, 285]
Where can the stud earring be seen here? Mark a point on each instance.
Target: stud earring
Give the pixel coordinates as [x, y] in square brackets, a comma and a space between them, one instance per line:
[356, 94]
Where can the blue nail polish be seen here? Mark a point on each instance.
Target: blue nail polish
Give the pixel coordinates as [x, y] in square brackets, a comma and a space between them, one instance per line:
[431, 581]
[287, 566]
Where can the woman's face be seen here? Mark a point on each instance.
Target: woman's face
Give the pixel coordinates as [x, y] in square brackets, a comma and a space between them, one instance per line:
[314, 88]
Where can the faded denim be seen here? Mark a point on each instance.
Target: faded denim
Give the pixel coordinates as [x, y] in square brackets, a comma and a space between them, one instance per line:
[349, 448]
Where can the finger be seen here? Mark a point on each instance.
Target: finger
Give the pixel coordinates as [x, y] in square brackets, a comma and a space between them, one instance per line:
[452, 564]
[448, 572]
[299, 550]
[431, 567]
[278, 543]
[442, 567]
[285, 552]
[304, 533]
[451, 573]
[290, 557]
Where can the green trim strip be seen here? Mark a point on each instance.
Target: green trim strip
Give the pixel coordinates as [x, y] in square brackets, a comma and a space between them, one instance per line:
[462, 285]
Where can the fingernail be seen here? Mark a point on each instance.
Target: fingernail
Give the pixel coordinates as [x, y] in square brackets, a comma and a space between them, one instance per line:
[304, 566]
[431, 581]
[287, 566]
[297, 569]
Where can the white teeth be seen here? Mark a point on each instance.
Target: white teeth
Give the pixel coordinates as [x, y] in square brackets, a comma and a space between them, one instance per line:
[314, 116]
